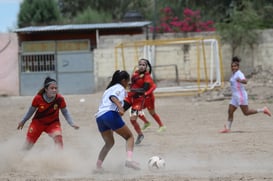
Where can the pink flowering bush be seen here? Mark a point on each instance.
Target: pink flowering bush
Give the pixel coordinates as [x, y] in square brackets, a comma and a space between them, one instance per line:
[191, 22]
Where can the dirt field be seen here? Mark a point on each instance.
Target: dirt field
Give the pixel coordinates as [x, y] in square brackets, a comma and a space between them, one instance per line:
[192, 147]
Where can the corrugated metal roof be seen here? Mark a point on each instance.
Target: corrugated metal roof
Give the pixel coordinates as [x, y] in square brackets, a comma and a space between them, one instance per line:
[83, 26]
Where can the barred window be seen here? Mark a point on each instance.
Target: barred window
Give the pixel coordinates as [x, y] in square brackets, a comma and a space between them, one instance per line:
[38, 63]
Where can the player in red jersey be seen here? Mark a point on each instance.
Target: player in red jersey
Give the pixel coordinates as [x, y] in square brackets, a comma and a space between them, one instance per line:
[141, 96]
[46, 105]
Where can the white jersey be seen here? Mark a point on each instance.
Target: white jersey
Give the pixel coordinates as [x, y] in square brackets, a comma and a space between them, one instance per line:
[106, 104]
[239, 94]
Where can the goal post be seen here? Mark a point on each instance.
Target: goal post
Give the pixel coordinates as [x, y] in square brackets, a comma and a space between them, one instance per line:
[180, 65]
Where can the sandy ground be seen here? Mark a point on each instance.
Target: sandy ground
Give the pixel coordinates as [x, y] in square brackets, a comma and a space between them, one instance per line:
[192, 147]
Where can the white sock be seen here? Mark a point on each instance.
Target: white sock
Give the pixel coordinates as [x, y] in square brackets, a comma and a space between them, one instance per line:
[260, 110]
[229, 123]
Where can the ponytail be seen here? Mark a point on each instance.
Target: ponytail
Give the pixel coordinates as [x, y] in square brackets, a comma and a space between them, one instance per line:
[117, 77]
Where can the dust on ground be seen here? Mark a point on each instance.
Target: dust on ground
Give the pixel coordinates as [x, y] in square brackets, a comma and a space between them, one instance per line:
[192, 147]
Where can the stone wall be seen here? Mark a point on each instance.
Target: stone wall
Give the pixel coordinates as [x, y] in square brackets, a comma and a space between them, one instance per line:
[258, 58]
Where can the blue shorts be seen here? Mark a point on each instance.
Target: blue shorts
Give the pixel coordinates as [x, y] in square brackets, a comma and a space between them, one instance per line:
[109, 120]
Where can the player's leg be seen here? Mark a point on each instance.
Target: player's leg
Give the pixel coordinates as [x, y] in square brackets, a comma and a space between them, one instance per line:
[141, 115]
[108, 144]
[35, 129]
[106, 123]
[227, 126]
[128, 136]
[248, 111]
[133, 120]
[150, 104]
[54, 130]
[231, 110]
[137, 105]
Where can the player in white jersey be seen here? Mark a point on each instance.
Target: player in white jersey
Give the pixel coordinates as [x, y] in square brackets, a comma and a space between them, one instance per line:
[239, 95]
[109, 119]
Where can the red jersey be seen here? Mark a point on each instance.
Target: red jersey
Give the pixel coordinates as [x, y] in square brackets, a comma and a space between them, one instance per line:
[48, 112]
[139, 79]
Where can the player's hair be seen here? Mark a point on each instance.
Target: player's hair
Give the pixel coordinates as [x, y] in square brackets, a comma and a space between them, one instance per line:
[149, 66]
[118, 76]
[48, 80]
[236, 60]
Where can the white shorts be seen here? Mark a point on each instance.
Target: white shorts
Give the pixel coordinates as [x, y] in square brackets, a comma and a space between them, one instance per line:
[238, 100]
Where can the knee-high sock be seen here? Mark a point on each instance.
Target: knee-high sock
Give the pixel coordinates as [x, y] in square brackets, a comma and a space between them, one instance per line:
[157, 119]
[143, 118]
[99, 164]
[129, 155]
[136, 126]
[58, 141]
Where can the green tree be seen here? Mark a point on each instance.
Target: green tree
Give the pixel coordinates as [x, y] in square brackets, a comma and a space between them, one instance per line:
[115, 8]
[38, 12]
[239, 28]
[118, 8]
[92, 16]
[70, 8]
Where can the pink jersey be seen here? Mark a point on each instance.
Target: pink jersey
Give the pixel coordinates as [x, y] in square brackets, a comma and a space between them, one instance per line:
[239, 94]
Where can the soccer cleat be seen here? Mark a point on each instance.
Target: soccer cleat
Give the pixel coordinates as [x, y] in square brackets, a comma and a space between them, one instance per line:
[146, 125]
[161, 129]
[225, 130]
[132, 164]
[139, 139]
[266, 111]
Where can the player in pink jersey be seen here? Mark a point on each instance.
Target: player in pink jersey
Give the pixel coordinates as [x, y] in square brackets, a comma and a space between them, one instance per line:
[239, 95]
[46, 105]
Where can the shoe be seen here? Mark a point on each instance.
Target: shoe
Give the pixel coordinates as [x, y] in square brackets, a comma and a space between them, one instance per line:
[99, 170]
[225, 130]
[132, 164]
[266, 111]
[146, 125]
[139, 139]
[161, 129]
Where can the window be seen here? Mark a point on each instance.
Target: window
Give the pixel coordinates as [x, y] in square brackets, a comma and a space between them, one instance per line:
[38, 63]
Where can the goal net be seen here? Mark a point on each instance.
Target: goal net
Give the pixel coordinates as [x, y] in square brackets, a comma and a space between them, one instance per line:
[180, 65]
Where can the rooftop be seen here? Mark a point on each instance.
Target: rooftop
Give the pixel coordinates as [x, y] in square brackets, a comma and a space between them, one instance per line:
[137, 24]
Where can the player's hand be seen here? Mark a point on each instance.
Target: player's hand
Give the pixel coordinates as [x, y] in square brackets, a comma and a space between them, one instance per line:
[75, 126]
[121, 111]
[20, 125]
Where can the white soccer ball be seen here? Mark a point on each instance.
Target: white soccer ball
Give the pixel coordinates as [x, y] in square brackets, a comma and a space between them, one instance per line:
[156, 163]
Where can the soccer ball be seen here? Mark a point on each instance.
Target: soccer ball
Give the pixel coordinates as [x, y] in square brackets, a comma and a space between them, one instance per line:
[156, 163]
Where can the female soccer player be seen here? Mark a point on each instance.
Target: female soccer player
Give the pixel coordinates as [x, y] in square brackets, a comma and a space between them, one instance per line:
[239, 95]
[46, 105]
[141, 96]
[109, 118]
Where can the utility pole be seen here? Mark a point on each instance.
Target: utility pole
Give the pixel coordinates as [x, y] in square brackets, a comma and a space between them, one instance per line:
[154, 19]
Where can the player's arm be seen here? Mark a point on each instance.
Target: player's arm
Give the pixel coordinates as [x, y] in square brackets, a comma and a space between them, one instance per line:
[116, 101]
[243, 81]
[27, 116]
[138, 90]
[149, 85]
[68, 118]
[151, 88]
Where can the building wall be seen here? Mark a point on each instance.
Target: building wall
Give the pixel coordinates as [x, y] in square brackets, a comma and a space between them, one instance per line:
[259, 58]
[9, 82]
